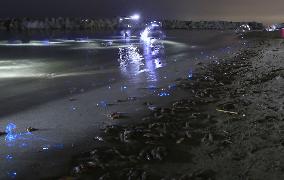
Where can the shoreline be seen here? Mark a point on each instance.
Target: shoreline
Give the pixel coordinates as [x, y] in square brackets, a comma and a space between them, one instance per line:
[68, 131]
[212, 135]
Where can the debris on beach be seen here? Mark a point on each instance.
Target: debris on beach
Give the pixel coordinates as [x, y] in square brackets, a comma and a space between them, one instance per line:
[72, 99]
[117, 115]
[31, 129]
[129, 99]
[147, 103]
[98, 138]
[104, 104]
[228, 112]
[192, 138]
[2, 133]
[121, 100]
[152, 108]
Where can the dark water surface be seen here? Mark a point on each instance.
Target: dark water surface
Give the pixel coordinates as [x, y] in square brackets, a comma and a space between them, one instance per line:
[42, 69]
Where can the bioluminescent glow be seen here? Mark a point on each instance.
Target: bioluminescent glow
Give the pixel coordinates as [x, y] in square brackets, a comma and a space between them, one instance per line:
[190, 74]
[163, 94]
[102, 104]
[9, 157]
[24, 139]
[11, 134]
[12, 174]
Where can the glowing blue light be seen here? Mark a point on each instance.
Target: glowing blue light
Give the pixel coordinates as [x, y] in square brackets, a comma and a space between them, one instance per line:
[10, 130]
[172, 86]
[190, 74]
[9, 157]
[20, 140]
[102, 104]
[12, 174]
[163, 94]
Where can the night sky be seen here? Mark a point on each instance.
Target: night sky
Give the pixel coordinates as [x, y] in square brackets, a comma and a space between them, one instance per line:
[260, 10]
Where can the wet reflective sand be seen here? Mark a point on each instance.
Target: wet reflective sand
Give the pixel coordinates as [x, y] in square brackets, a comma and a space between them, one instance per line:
[39, 78]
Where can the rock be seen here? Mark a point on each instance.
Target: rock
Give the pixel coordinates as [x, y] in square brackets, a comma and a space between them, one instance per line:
[31, 129]
[2, 133]
[179, 140]
[72, 99]
[117, 115]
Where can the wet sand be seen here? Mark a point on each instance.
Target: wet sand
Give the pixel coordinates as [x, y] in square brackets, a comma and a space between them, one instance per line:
[67, 123]
[230, 126]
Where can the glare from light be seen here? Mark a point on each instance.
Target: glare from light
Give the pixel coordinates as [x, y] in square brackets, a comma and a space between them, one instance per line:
[155, 25]
[135, 17]
[31, 43]
[145, 35]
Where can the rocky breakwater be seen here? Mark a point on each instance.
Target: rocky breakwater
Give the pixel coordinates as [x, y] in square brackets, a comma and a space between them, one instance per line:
[217, 25]
[62, 24]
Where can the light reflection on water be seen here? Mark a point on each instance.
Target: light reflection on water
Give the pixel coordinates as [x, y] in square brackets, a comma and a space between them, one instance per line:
[135, 57]
[145, 57]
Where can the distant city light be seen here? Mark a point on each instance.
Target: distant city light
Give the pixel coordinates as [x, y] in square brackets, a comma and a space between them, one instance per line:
[135, 17]
[271, 28]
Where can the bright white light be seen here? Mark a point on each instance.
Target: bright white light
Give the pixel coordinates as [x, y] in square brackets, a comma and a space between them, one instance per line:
[135, 17]
[271, 28]
[145, 35]
[154, 25]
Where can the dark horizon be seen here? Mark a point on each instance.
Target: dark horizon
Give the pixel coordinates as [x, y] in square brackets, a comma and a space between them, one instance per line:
[261, 11]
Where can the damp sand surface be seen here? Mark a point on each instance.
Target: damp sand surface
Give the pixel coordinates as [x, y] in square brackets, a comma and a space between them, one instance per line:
[70, 89]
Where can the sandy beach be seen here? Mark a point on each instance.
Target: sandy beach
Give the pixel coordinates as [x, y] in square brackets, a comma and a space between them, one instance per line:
[228, 127]
[67, 121]
[215, 113]
[142, 90]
